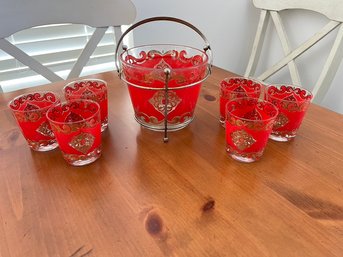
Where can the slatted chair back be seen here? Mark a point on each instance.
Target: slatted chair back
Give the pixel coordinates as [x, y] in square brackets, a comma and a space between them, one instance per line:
[18, 15]
[332, 9]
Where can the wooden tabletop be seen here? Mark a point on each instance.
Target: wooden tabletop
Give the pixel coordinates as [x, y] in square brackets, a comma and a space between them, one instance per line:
[186, 197]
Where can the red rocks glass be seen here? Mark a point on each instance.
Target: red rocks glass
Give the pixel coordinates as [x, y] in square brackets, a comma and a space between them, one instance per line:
[91, 89]
[29, 110]
[292, 102]
[249, 121]
[234, 87]
[77, 128]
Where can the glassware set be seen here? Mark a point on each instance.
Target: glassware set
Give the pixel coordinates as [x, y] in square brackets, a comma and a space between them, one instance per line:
[253, 112]
[164, 82]
[75, 125]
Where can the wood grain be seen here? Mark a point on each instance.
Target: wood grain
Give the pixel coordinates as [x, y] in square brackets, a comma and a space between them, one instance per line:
[184, 198]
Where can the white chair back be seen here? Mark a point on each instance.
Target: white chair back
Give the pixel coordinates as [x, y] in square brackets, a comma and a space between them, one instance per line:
[18, 15]
[332, 9]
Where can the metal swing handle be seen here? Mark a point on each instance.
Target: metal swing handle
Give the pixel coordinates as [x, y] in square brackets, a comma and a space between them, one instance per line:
[163, 18]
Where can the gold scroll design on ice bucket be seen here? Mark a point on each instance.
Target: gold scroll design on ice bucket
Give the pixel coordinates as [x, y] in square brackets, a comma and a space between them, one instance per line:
[157, 73]
[158, 99]
[146, 119]
[158, 102]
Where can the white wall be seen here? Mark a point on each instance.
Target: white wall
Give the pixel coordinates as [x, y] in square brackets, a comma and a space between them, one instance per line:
[230, 28]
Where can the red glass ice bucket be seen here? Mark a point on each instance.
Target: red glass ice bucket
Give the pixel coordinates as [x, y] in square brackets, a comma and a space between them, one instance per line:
[164, 80]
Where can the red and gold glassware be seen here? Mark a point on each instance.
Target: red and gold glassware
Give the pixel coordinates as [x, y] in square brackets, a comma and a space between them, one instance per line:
[164, 80]
[234, 87]
[92, 89]
[29, 110]
[77, 127]
[249, 122]
[292, 102]
[144, 70]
